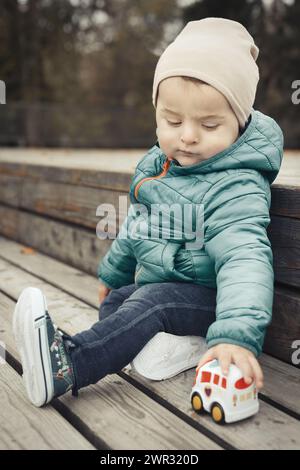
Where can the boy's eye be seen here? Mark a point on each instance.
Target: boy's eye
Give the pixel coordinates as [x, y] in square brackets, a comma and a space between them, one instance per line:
[173, 123]
[210, 127]
[178, 123]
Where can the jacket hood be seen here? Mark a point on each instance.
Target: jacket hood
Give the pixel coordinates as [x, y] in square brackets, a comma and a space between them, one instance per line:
[260, 147]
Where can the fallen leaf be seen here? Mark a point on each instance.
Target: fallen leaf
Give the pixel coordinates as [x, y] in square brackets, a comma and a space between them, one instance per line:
[27, 250]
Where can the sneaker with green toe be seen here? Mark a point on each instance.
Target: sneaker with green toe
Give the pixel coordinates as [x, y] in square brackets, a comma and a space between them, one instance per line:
[47, 366]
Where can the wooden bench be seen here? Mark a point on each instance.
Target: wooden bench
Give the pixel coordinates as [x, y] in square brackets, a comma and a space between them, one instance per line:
[48, 202]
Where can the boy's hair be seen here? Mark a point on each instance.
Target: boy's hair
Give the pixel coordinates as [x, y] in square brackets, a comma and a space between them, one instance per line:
[196, 81]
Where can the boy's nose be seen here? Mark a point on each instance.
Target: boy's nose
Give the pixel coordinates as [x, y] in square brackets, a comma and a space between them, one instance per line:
[189, 136]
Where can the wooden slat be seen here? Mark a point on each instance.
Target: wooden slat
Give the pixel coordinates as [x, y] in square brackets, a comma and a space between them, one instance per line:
[76, 282]
[289, 174]
[92, 178]
[120, 160]
[67, 202]
[282, 382]
[79, 248]
[93, 172]
[286, 201]
[113, 413]
[286, 187]
[284, 234]
[269, 429]
[250, 438]
[23, 426]
[285, 327]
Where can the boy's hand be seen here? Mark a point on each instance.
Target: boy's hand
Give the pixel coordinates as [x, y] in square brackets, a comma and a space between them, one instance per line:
[241, 357]
[103, 292]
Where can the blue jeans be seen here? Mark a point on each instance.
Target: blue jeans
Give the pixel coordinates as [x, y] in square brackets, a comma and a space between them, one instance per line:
[130, 316]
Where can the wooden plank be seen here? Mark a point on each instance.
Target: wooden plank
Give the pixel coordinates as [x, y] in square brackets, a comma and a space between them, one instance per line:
[286, 201]
[113, 413]
[285, 326]
[289, 175]
[269, 429]
[67, 202]
[66, 314]
[113, 170]
[78, 247]
[282, 383]
[120, 160]
[284, 329]
[284, 234]
[93, 178]
[22, 426]
[286, 187]
[75, 282]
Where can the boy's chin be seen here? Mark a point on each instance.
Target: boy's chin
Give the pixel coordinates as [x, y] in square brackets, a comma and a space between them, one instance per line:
[187, 161]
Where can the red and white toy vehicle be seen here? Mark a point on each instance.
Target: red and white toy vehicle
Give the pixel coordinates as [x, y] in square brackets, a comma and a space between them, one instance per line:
[228, 398]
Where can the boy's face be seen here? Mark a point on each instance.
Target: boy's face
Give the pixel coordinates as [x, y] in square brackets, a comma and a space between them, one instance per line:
[188, 127]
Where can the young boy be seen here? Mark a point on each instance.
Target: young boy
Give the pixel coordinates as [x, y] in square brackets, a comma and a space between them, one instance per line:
[213, 150]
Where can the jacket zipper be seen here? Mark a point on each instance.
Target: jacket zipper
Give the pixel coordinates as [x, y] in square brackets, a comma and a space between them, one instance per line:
[163, 173]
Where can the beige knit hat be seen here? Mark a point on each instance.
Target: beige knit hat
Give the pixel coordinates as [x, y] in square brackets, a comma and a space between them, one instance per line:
[219, 52]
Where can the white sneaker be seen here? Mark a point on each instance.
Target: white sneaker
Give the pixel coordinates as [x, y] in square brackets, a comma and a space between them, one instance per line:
[47, 367]
[166, 355]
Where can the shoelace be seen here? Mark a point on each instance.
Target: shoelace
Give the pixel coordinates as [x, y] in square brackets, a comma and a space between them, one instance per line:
[60, 339]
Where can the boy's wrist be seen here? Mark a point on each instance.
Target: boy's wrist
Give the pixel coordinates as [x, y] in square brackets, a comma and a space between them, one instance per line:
[228, 341]
[105, 283]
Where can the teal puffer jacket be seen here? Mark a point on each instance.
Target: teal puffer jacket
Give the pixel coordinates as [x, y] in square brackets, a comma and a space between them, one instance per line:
[233, 188]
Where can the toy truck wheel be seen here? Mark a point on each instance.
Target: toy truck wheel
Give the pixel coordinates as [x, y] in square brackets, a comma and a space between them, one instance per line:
[197, 403]
[217, 413]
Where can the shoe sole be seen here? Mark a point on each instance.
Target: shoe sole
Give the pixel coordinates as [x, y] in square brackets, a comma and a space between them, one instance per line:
[184, 351]
[30, 332]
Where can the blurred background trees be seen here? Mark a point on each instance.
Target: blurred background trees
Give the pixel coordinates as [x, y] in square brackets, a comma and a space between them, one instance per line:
[79, 73]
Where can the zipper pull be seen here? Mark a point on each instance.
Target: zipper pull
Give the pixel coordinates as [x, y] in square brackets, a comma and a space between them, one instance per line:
[167, 164]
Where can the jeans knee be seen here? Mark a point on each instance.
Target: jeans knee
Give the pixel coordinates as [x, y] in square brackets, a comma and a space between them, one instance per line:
[154, 292]
[105, 306]
[111, 303]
